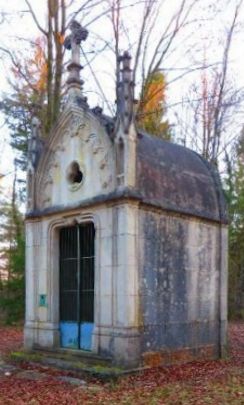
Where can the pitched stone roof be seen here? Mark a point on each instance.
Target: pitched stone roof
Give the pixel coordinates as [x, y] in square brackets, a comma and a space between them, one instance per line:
[177, 179]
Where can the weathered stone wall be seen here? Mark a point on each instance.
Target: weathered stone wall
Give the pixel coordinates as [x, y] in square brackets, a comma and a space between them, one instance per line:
[116, 280]
[40, 326]
[160, 292]
[180, 286]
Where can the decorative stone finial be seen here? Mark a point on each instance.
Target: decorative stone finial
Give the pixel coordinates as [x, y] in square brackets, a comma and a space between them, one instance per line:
[35, 145]
[72, 42]
[125, 93]
[106, 121]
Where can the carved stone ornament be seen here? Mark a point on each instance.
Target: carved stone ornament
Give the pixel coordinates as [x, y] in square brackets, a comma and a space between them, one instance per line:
[95, 143]
[102, 155]
[46, 187]
[75, 127]
[90, 144]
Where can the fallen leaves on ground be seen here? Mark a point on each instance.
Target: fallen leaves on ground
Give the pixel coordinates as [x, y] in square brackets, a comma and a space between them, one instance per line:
[198, 383]
[11, 338]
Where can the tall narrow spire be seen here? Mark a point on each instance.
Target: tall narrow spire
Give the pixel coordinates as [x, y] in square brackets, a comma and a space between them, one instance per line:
[72, 42]
[125, 93]
[35, 144]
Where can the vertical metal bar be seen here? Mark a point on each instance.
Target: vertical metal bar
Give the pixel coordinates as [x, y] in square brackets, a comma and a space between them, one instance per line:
[78, 282]
[60, 273]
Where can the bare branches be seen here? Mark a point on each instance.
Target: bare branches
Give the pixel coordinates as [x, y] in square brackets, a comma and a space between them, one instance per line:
[115, 18]
[215, 102]
[149, 50]
[17, 66]
[63, 17]
[147, 12]
[154, 65]
[35, 18]
[175, 26]
[154, 34]
[151, 26]
[218, 113]
[97, 83]
[87, 5]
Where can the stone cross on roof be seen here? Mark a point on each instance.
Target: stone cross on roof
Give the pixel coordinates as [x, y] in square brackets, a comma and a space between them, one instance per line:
[72, 42]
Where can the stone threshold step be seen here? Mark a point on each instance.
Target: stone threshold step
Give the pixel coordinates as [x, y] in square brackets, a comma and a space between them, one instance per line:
[97, 369]
[73, 355]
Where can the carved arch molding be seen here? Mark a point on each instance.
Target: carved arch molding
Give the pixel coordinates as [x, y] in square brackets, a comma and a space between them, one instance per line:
[76, 127]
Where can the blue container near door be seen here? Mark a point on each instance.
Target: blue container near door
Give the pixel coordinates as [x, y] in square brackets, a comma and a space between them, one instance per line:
[69, 335]
[86, 330]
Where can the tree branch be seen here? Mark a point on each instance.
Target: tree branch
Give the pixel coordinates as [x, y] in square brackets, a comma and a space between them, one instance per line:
[35, 18]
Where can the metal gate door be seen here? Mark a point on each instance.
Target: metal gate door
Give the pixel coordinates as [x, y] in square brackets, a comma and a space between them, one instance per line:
[77, 286]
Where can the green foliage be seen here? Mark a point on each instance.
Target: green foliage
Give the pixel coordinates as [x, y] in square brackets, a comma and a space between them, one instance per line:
[35, 91]
[235, 198]
[13, 248]
[17, 119]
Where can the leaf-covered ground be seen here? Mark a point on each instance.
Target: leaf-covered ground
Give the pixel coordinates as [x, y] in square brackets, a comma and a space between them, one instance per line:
[216, 382]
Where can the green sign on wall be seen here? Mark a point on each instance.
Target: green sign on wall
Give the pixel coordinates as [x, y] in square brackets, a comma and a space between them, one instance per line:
[42, 300]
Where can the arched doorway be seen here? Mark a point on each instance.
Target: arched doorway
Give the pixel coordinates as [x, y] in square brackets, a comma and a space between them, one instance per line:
[77, 262]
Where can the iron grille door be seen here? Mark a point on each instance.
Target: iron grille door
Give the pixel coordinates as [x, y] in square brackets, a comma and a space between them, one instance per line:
[68, 274]
[77, 252]
[69, 289]
[86, 238]
[87, 273]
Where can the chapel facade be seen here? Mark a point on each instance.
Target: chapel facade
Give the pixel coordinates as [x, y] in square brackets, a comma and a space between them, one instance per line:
[126, 237]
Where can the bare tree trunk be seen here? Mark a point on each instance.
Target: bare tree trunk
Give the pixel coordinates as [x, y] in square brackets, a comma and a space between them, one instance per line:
[115, 6]
[59, 31]
[49, 69]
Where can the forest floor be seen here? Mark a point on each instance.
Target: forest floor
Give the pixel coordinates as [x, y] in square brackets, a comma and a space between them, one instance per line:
[200, 383]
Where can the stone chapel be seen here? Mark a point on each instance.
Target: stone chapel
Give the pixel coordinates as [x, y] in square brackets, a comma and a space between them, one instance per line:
[126, 237]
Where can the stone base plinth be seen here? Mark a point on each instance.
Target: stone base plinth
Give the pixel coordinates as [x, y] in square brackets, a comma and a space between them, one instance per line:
[43, 335]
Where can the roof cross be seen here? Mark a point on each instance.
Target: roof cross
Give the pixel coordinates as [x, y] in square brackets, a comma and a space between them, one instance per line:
[72, 42]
